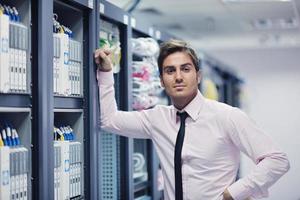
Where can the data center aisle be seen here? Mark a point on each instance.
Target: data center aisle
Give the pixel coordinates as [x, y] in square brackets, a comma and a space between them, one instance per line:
[51, 144]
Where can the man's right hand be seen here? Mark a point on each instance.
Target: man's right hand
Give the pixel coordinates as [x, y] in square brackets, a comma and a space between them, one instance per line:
[102, 59]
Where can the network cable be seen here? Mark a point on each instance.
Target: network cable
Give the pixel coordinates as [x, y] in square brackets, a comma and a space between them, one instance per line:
[1, 141]
[3, 132]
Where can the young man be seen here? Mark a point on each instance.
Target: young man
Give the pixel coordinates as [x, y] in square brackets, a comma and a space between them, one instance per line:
[198, 141]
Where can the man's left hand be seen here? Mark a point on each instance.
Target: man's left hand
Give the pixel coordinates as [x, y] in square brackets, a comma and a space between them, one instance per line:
[227, 195]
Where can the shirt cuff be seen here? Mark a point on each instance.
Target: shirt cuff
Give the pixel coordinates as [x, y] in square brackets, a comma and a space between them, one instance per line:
[105, 78]
[238, 191]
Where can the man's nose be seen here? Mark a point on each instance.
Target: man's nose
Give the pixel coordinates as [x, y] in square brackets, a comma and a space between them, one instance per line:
[178, 75]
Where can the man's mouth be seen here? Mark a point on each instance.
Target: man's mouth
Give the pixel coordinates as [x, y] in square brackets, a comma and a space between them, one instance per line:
[178, 87]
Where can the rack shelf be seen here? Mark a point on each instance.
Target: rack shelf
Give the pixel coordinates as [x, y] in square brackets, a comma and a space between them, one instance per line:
[15, 100]
[141, 185]
[114, 13]
[68, 102]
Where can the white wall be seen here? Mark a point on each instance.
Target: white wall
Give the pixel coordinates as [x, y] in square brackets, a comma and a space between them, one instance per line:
[273, 90]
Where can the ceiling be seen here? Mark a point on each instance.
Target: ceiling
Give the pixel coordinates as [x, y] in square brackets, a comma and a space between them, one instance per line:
[217, 24]
[224, 28]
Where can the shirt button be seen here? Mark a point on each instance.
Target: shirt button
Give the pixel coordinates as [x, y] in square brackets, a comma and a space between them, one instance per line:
[185, 161]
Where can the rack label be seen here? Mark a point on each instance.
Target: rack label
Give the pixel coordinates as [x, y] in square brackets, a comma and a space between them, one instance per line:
[5, 177]
[91, 4]
[101, 8]
[125, 19]
[151, 31]
[157, 34]
[133, 22]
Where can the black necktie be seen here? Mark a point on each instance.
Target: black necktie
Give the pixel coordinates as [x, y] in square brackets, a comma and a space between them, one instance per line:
[177, 157]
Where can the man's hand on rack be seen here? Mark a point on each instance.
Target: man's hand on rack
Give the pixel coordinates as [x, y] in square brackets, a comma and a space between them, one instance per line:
[102, 59]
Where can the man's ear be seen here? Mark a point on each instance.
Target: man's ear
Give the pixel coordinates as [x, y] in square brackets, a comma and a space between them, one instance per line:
[199, 76]
[161, 81]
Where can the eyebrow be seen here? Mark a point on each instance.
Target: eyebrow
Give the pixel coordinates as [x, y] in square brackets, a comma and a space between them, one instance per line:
[169, 66]
[186, 64]
[183, 65]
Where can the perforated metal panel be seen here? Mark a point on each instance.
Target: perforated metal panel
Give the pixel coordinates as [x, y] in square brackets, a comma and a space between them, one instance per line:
[110, 160]
[109, 166]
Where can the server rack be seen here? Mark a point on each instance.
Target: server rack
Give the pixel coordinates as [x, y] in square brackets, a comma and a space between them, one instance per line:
[75, 106]
[227, 82]
[65, 116]
[115, 151]
[141, 147]
[147, 188]
[128, 27]
[50, 109]
[15, 99]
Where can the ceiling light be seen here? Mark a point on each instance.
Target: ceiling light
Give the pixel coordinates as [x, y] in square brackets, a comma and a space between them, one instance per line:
[281, 23]
[254, 1]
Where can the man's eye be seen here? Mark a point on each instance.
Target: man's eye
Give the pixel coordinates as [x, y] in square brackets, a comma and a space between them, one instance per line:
[169, 70]
[186, 69]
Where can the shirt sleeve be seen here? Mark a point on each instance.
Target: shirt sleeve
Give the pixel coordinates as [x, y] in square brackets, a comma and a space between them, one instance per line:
[130, 124]
[271, 162]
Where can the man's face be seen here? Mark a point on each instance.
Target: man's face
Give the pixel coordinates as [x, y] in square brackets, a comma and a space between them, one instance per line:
[179, 77]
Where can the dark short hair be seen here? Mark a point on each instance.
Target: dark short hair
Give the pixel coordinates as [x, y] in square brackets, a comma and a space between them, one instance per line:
[172, 46]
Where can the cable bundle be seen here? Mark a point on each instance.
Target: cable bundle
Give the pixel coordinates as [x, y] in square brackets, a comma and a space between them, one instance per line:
[146, 83]
[64, 133]
[9, 135]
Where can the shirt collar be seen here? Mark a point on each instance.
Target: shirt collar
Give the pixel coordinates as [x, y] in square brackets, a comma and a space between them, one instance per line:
[193, 108]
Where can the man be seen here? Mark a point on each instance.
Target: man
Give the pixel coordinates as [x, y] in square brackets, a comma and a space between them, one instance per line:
[213, 134]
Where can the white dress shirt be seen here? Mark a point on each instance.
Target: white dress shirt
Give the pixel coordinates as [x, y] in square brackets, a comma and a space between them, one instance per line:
[215, 135]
